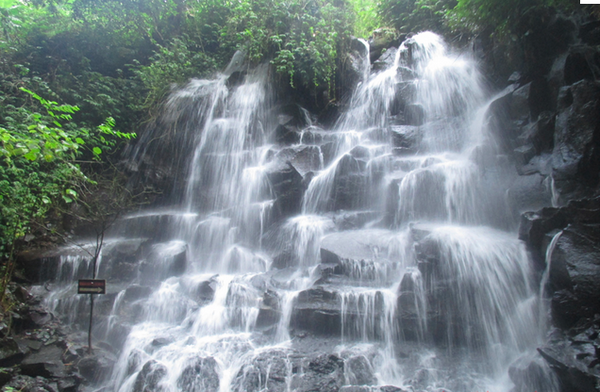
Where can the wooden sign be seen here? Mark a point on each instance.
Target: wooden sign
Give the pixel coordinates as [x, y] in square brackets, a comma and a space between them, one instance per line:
[91, 286]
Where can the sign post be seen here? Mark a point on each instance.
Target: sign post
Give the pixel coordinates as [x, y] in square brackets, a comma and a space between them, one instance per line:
[91, 287]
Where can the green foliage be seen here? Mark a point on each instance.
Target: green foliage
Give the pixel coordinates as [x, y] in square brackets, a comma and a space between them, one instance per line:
[502, 15]
[39, 168]
[416, 15]
[302, 37]
[367, 17]
[175, 63]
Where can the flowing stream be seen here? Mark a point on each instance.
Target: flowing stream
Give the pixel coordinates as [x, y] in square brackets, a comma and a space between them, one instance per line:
[384, 241]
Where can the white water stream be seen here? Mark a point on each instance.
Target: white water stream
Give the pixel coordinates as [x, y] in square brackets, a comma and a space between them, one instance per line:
[430, 291]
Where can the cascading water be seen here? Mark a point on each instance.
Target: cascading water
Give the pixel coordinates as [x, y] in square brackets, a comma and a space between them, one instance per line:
[394, 259]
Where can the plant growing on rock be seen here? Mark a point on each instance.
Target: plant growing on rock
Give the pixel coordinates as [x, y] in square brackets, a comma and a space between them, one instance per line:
[40, 169]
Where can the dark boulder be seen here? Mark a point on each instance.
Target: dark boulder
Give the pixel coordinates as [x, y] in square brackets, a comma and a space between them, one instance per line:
[385, 61]
[286, 135]
[545, 34]
[10, 352]
[45, 363]
[582, 62]
[269, 312]
[349, 182]
[268, 371]
[540, 133]
[24, 383]
[532, 374]
[303, 158]
[406, 139]
[165, 260]
[201, 376]
[414, 114]
[380, 39]
[575, 274]
[96, 367]
[575, 157]
[318, 311]
[324, 373]
[286, 184]
[574, 360]
[529, 192]
[359, 371]
[148, 379]
[590, 32]
[354, 66]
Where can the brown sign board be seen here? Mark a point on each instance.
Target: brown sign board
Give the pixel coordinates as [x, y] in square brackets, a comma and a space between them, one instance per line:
[91, 286]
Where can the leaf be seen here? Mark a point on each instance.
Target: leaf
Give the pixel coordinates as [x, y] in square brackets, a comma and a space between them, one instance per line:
[79, 140]
[97, 150]
[71, 192]
[31, 155]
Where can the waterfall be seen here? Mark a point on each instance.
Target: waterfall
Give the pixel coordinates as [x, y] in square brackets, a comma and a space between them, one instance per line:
[379, 243]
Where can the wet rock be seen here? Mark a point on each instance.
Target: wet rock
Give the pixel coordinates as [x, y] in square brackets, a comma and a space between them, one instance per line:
[269, 312]
[45, 363]
[324, 373]
[532, 374]
[286, 184]
[354, 65]
[285, 259]
[545, 34]
[10, 352]
[535, 225]
[505, 116]
[528, 193]
[390, 388]
[523, 154]
[575, 268]
[148, 379]
[540, 134]
[96, 367]
[303, 158]
[385, 61]
[381, 39]
[136, 292]
[349, 182]
[236, 64]
[286, 136]
[30, 384]
[356, 245]
[359, 371]
[318, 311]
[122, 260]
[582, 62]
[6, 375]
[570, 359]
[352, 220]
[590, 32]
[414, 114]
[405, 139]
[354, 388]
[205, 292]
[267, 372]
[165, 260]
[202, 376]
[69, 384]
[39, 267]
[575, 157]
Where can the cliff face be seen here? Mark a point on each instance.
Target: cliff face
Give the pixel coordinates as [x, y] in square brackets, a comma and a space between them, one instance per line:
[547, 120]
